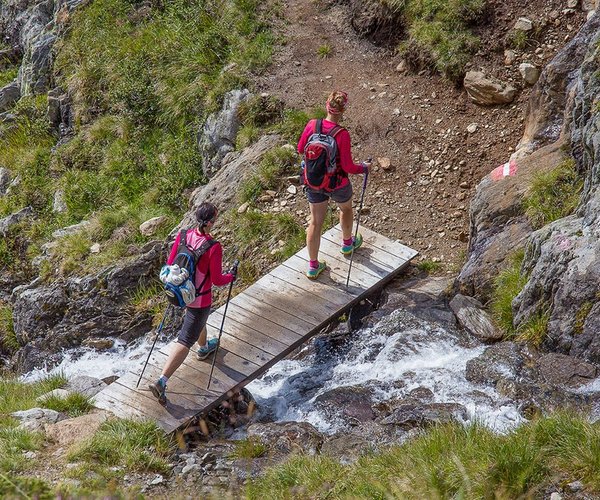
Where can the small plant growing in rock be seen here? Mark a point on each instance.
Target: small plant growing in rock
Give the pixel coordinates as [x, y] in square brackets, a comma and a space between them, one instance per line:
[324, 51]
[252, 447]
[74, 404]
[553, 194]
[507, 286]
[535, 329]
[518, 39]
[429, 266]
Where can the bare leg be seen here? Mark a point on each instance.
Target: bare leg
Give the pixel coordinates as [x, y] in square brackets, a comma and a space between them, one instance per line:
[202, 338]
[346, 218]
[313, 233]
[177, 356]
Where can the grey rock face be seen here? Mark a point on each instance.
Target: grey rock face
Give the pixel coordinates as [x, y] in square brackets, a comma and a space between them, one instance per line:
[411, 415]
[498, 226]
[34, 73]
[286, 437]
[48, 318]
[4, 180]
[222, 188]
[86, 385]
[218, 134]
[473, 318]
[9, 94]
[35, 418]
[7, 222]
[546, 108]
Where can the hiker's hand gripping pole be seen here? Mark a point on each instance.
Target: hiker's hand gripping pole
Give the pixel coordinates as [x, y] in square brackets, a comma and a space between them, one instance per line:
[234, 272]
[362, 199]
[160, 327]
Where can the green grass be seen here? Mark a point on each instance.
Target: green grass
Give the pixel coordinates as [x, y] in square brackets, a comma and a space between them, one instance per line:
[429, 266]
[534, 330]
[324, 51]
[451, 461]
[74, 405]
[251, 447]
[8, 339]
[518, 39]
[553, 194]
[275, 164]
[16, 395]
[7, 76]
[25, 487]
[581, 316]
[507, 286]
[439, 33]
[141, 84]
[137, 446]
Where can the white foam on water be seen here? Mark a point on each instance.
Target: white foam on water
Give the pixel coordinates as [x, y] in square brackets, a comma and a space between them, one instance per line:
[118, 360]
[418, 357]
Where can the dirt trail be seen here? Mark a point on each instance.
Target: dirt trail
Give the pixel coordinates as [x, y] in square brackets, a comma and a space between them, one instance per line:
[419, 122]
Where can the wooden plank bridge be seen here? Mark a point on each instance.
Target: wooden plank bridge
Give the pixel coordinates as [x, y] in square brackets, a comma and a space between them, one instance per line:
[264, 323]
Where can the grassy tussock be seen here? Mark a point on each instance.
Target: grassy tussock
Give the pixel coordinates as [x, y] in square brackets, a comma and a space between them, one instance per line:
[139, 446]
[507, 286]
[439, 33]
[275, 164]
[451, 461]
[8, 340]
[74, 405]
[251, 447]
[553, 194]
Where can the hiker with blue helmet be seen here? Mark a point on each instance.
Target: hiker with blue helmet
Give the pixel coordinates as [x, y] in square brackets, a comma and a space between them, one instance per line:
[327, 161]
[209, 272]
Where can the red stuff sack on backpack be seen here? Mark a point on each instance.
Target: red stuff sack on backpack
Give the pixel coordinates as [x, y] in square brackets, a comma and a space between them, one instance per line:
[320, 159]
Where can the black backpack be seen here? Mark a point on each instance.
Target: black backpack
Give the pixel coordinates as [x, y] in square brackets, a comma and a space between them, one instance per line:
[188, 258]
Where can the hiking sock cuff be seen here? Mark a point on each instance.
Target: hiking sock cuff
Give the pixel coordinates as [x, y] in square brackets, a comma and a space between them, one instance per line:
[163, 380]
[314, 264]
[348, 242]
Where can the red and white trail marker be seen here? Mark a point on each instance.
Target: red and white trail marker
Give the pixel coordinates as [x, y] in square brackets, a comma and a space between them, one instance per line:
[508, 169]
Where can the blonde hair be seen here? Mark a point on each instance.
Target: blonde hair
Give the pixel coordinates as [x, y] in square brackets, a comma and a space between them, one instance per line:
[336, 102]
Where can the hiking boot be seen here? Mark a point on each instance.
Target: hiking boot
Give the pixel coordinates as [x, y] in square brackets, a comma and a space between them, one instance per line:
[356, 244]
[206, 350]
[159, 391]
[313, 273]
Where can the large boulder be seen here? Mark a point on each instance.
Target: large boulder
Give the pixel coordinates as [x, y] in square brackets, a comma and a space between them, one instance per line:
[222, 189]
[288, 437]
[498, 224]
[353, 403]
[547, 107]
[218, 134]
[472, 317]
[486, 90]
[9, 94]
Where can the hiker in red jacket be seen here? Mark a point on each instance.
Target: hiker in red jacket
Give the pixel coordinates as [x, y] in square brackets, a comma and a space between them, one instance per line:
[335, 184]
[209, 272]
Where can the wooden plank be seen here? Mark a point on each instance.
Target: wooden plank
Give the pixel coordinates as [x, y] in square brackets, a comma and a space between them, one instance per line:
[223, 376]
[287, 297]
[368, 271]
[139, 405]
[272, 342]
[179, 382]
[259, 322]
[390, 247]
[325, 289]
[333, 277]
[278, 316]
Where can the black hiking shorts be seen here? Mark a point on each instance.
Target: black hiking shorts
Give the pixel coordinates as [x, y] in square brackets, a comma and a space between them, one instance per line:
[339, 195]
[193, 322]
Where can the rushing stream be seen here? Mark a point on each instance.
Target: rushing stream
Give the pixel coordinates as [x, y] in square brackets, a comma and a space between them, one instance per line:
[398, 355]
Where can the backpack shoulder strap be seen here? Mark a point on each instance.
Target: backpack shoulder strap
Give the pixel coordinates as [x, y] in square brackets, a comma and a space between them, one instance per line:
[200, 251]
[335, 130]
[318, 126]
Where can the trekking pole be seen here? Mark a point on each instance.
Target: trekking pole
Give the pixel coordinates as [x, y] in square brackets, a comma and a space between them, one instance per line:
[160, 327]
[362, 198]
[234, 268]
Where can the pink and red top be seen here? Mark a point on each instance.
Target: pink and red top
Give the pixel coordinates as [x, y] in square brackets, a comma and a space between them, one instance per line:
[344, 150]
[211, 261]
